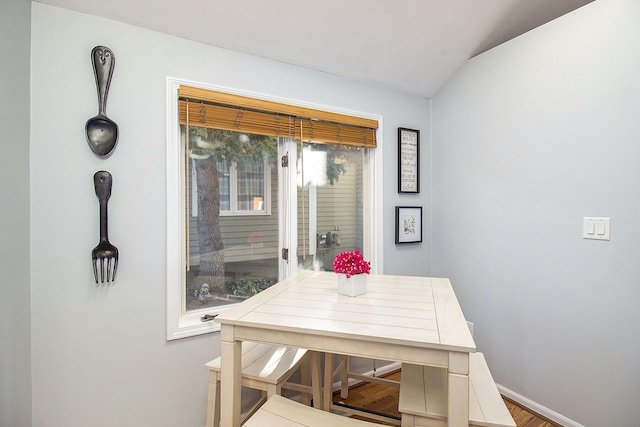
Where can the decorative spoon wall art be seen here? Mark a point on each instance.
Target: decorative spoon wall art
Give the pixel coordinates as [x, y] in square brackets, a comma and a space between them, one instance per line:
[102, 132]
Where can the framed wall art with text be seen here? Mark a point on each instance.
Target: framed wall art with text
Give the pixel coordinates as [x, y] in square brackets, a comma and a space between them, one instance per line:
[408, 160]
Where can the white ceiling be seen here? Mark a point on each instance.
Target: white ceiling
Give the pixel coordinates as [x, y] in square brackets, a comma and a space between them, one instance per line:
[409, 45]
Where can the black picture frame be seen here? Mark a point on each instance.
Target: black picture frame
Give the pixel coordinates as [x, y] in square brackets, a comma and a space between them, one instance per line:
[408, 224]
[408, 160]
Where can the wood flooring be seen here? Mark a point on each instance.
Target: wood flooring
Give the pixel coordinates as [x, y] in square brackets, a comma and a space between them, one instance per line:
[380, 398]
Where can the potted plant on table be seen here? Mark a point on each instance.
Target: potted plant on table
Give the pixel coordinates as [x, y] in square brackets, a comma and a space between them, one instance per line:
[352, 270]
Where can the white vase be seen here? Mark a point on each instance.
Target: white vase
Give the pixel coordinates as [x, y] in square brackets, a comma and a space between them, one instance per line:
[352, 286]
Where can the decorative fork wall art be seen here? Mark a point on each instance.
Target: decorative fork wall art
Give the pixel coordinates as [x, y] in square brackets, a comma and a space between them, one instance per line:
[105, 252]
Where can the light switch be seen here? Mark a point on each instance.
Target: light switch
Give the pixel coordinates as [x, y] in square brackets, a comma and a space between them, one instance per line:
[596, 228]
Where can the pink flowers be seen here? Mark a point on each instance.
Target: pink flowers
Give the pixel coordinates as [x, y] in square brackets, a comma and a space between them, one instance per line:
[351, 263]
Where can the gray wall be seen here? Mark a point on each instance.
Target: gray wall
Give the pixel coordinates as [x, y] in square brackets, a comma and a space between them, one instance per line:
[99, 354]
[15, 335]
[528, 139]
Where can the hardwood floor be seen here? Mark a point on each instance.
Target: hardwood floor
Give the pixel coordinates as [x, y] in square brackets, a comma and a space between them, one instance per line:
[524, 418]
[384, 399]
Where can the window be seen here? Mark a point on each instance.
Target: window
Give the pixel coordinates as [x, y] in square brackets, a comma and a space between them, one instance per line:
[244, 187]
[244, 190]
[231, 239]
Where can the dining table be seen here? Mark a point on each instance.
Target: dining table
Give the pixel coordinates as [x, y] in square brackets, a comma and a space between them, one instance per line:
[407, 319]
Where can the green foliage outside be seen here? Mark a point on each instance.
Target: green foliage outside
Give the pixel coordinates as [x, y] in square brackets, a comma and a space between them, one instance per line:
[249, 287]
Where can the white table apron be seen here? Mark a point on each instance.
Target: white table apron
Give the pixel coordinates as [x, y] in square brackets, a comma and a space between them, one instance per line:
[405, 319]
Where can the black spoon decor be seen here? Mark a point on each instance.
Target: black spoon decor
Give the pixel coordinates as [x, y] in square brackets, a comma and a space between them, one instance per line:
[102, 132]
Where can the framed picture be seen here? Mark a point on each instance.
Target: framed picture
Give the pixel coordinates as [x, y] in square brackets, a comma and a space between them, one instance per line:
[408, 224]
[408, 160]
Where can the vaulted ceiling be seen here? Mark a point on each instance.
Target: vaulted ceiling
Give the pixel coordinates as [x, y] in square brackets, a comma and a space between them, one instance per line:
[408, 45]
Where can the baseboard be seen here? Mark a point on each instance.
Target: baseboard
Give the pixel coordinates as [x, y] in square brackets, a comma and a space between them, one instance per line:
[537, 408]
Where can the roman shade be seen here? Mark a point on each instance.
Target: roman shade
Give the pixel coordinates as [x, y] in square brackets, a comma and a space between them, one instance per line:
[219, 110]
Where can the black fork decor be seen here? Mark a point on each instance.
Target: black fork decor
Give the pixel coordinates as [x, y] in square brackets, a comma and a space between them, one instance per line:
[102, 182]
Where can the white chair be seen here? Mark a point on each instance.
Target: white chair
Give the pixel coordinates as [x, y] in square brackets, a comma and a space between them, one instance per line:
[265, 367]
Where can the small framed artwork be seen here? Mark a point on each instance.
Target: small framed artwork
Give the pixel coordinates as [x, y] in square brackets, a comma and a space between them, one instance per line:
[408, 224]
[408, 160]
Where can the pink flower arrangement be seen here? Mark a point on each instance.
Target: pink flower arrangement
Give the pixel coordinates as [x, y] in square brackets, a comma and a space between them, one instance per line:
[351, 263]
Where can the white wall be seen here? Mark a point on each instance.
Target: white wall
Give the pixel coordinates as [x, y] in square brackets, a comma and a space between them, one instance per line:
[15, 333]
[528, 139]
[100, 356]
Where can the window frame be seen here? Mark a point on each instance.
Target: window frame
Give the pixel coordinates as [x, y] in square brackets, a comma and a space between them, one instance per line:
[182, 325]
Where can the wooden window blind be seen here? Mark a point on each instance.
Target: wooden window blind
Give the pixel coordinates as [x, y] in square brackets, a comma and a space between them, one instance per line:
[219, 110]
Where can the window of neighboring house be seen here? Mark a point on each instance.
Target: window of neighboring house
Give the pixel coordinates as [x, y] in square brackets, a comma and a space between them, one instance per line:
[244, 187]
[251, 180]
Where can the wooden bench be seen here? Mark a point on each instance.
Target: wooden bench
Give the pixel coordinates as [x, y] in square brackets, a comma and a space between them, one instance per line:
[279, 412]
[423, 396]
[265, 367]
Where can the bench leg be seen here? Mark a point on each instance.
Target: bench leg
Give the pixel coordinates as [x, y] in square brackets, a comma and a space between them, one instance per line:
[305, 379]
[213, 401]
[316, 383]
[272, 389]
[407, 421]
[328, 381]
[344, 377]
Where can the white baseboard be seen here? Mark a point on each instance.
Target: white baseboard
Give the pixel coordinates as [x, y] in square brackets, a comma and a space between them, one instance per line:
[537, 408]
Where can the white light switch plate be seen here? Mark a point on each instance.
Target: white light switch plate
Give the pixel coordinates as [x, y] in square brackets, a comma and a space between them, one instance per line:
[596, 228]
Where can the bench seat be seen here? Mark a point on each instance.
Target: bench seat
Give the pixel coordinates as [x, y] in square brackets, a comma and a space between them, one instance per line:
[282, 412]
[265, 367]
[423, 396]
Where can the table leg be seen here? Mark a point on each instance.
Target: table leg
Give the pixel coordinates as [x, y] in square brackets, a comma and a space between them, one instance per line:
[458, 397]
[230, 377]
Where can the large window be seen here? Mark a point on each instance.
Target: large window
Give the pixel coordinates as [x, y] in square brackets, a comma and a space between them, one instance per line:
[257, 190]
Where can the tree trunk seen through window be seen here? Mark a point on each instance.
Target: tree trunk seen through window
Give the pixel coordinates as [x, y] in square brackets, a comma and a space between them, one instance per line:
[207, 147]
[211, 268]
